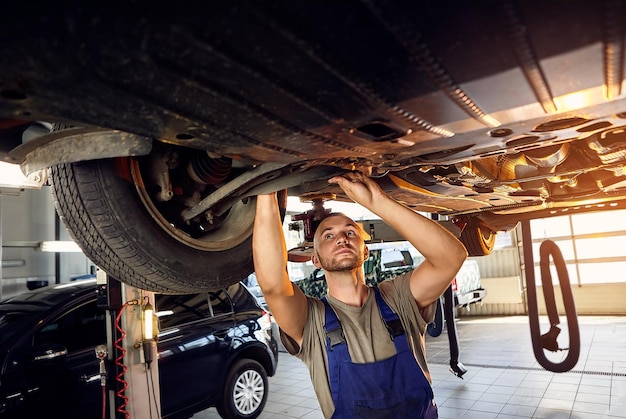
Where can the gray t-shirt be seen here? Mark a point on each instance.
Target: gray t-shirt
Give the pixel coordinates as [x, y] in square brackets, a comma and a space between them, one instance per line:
[367, 338]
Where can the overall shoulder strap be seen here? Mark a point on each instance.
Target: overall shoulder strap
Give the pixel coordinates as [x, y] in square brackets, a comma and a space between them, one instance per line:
[336, 348]
[332, 327]
[390, 318]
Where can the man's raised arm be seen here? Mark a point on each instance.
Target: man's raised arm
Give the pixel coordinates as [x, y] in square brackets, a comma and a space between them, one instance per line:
[444, 254]
[285, 300]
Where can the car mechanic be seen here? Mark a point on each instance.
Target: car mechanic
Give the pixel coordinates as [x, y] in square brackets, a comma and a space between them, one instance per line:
[363, 346]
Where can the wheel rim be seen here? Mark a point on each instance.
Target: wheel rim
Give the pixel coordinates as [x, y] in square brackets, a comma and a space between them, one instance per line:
[232, 232]
[248, 392]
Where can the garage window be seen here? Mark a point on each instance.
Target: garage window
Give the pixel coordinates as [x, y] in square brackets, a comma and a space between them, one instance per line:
[592, 245]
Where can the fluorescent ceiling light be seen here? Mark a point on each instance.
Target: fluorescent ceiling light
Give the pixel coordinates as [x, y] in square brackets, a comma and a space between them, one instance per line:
[59, 246]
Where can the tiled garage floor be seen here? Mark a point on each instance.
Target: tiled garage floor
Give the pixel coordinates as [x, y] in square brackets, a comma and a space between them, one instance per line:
[503, 379]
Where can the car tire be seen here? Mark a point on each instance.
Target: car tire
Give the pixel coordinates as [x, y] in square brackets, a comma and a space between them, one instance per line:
[101, 207]
[245, 390]
[477, 239]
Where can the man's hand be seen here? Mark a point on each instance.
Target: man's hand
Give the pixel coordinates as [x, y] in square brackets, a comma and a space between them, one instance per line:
[359, 188]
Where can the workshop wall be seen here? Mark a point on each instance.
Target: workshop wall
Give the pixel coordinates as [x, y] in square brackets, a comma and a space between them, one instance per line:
[28, 219]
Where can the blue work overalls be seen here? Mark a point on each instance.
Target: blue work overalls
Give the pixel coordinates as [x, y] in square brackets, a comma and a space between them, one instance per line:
[392, 388]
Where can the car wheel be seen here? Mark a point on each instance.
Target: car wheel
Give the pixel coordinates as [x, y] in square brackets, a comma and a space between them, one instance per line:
[245, 390]
[477, 239]
[108, 210]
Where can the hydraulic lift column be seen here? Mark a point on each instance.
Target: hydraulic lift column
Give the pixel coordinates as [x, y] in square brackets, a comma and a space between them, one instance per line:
[133, 377]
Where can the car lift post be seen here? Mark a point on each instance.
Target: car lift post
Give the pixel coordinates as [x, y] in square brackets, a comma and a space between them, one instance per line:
[142, 377]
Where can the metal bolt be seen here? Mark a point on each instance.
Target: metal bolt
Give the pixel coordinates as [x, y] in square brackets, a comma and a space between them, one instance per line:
[500, 132]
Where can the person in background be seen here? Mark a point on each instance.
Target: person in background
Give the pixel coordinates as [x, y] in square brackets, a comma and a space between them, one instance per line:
[363, 346]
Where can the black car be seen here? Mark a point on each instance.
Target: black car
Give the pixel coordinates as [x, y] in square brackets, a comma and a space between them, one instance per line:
[210, 345]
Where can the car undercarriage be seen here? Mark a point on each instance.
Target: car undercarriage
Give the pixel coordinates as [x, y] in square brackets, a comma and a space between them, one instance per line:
[159, 124]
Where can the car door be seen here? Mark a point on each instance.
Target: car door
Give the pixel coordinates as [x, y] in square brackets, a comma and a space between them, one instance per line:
[194, 343]
[56, 364]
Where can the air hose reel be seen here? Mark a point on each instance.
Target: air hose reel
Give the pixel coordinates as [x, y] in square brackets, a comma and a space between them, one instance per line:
[548, 341]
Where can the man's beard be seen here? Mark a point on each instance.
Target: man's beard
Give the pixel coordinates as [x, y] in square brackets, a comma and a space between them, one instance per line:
[342, 265]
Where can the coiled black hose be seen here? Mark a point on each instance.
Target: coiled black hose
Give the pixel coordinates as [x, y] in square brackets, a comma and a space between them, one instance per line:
[549, 340]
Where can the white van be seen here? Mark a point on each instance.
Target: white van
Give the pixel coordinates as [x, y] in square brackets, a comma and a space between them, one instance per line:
[466, 285]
